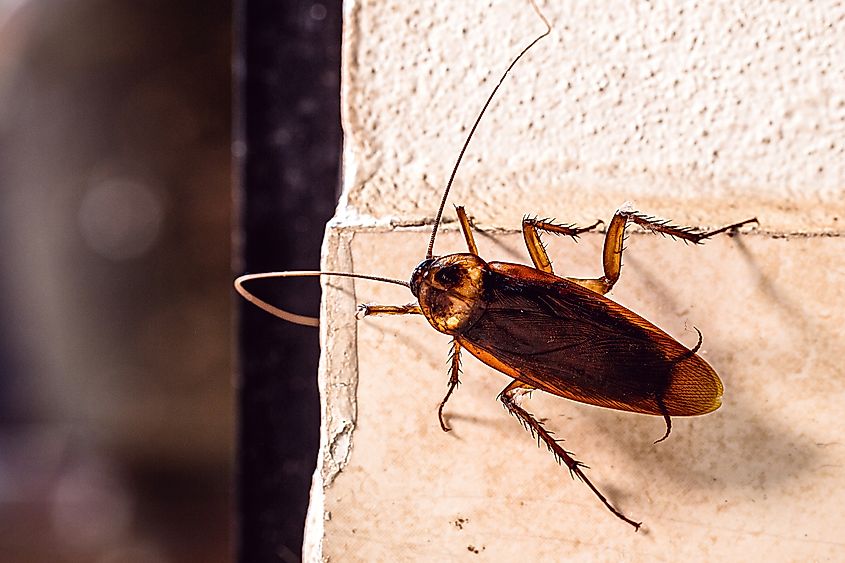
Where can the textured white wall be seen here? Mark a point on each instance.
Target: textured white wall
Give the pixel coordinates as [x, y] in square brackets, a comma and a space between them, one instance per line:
[702, 112]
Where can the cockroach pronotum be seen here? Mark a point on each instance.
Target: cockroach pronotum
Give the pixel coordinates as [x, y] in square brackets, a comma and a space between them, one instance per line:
[556, 334]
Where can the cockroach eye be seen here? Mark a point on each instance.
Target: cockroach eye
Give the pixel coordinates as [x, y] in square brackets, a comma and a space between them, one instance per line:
[419, 275]
[448, 276]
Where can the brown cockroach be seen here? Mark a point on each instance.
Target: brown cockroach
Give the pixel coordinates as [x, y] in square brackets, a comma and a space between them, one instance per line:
[556, 334]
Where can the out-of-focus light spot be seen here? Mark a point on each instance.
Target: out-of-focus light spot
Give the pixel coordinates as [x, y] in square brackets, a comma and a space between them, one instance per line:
[238, 149]
[294, 177]
[91, 507]
[330, 78]
[282, 137]
[318, 12]
[308, 106]
[120, 218]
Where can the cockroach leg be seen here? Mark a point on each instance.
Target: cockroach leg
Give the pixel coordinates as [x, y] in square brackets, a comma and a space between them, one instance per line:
[727, 229]
[366, 310]
[615, 238]
[509, 397]
[454, 380]
[665, 227]
[466, 227]
[536, 249]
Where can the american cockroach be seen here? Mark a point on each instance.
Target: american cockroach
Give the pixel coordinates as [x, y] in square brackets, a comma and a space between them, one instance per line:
[556, 334]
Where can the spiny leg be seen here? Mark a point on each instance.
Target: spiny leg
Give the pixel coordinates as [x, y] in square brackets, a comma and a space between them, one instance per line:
[509, 397]
[454, 380]
[615, 238]
[665, 227]
[531, 228]
[466, 228]
[366, 310]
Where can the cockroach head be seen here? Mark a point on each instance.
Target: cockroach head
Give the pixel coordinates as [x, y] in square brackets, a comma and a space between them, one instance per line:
[450, 290]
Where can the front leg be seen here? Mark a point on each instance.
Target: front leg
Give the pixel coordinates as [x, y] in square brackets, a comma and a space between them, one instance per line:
[454, 358]
[454, 380]
[367, 310]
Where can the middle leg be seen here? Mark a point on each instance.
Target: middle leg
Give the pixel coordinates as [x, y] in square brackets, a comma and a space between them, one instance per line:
[531, 228]
[466, 228]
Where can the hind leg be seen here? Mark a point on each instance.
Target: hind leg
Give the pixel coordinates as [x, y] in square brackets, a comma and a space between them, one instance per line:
[510, 396]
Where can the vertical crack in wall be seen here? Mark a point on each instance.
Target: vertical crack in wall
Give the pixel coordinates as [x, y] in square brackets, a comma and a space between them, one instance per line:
[337, 380]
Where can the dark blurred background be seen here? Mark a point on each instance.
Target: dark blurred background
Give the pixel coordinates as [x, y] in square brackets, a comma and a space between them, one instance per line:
[117, 326]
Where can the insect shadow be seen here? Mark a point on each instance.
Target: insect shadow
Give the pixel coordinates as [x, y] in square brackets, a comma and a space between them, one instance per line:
[773, 453]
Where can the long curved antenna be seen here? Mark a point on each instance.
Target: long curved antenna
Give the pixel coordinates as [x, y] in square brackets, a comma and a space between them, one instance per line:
[293, 317]
[430, 251]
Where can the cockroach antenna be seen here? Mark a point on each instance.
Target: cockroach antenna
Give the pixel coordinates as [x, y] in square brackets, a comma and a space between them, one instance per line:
[430, 252]
[305, 320]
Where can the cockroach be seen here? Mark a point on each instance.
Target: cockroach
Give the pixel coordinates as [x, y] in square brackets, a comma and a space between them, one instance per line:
[557, 334]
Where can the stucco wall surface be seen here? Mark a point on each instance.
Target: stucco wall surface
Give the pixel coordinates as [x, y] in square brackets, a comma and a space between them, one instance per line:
[695, 110]
[702, 112]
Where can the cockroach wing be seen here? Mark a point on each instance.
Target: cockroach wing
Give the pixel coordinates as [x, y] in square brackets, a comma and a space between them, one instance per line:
[562, 338]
